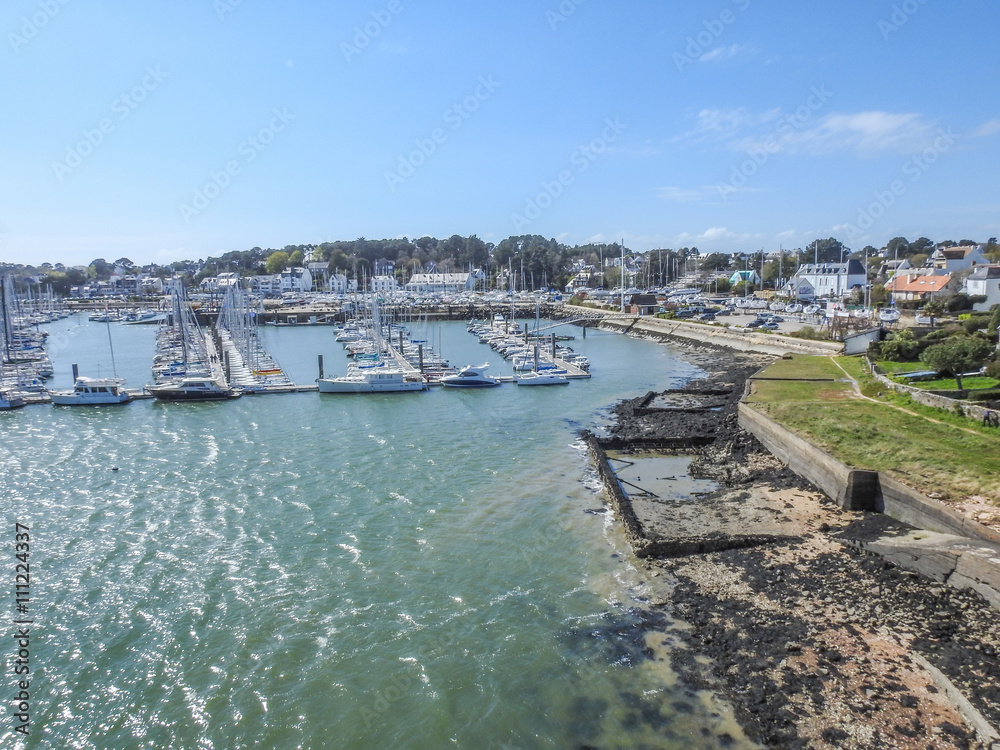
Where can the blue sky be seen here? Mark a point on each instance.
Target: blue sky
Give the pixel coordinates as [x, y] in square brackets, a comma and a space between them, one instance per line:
[181, 130]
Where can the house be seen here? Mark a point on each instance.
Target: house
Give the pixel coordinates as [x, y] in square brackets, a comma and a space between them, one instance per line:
[913, 287]
[644, 304]
[319, 271]
[296, 280]
[891, 267]
[383, 284]
[266, 283]
[751, 277]
[985, 281]
[340, 284]
[834, 280]
[951, 259]
[443, 282]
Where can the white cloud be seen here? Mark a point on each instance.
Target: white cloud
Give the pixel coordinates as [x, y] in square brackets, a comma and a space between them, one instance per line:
[722, 53]
[803, 130]
[988, 128]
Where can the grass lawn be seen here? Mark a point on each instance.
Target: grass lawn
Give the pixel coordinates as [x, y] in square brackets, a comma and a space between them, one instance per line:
[928, 456]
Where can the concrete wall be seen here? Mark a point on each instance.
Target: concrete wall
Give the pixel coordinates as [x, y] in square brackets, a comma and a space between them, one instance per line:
[855, 489]
[713, 335]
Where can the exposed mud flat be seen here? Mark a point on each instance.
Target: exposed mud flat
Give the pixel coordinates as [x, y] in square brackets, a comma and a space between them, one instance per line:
[816, 644]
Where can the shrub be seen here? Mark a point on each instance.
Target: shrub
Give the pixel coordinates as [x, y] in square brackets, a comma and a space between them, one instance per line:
[901, 347]
[811, 334]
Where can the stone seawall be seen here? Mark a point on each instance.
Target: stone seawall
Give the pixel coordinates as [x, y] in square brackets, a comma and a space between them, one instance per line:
[858, 489]
[720, 336]
[945, 546]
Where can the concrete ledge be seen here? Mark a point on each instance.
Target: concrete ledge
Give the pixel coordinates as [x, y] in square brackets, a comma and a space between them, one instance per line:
[949, 547]
[729, 338]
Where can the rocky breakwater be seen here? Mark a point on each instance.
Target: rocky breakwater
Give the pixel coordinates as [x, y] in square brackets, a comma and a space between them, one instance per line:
[816, 643]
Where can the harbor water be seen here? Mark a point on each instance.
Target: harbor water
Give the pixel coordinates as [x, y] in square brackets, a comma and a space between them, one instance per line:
[415, 570]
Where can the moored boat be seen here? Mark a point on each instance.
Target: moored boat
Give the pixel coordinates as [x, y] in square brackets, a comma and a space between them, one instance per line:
[92, 392]
[541, 378]
[194, 389]
[10, 400]
[373, 378]
[472, 376]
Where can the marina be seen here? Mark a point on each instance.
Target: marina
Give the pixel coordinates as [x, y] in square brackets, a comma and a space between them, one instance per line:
[318, 552]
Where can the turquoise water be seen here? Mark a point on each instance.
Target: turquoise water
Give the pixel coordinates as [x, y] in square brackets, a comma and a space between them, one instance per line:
[307, 571]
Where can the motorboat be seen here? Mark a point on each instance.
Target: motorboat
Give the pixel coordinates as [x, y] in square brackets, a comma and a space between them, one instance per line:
[811, 309]
[194, 389]
[92, 392]
[472, 376]
[373, 378]
[10, 400]
[541, 378]
[889, 315]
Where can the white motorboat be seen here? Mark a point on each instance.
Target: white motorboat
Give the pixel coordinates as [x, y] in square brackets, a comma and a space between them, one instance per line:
[373, 378]
[92, 392]
[194, 389]
[472, 376]
[811, 309]
[10, 400]
[541, 378]
[889, 315]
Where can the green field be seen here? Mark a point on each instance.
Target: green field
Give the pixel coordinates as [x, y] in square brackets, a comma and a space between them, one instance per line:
[951, 455]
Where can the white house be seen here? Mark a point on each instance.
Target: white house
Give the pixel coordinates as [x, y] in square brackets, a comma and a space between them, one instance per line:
[340, 284]
[951, 259]
[383, 284]
[296, 279]
[265, 283]
[835, 280]
[984, 280]
[443, 282]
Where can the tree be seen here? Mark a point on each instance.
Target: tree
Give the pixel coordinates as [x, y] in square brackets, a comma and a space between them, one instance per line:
[276, 261]
[957, 355]
[933, 309]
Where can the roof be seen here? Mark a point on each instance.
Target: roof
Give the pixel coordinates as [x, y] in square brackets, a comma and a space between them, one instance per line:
[955, 253]
[985, 272]
[921, 284]
[853, 267]
[439, 278]
[643, 300]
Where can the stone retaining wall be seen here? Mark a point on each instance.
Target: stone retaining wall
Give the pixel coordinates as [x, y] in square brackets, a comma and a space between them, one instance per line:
[855, 489]
[720, 336]
[973, 411]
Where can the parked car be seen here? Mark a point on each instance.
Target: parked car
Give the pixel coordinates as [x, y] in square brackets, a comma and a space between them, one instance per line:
[707, 316]
[686, 312]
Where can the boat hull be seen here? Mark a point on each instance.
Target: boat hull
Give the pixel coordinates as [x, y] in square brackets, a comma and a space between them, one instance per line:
[345, 385]
[71, 399]
[171, 395]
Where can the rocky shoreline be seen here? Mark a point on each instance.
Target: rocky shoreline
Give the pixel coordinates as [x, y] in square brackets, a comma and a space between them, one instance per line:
[815, 643]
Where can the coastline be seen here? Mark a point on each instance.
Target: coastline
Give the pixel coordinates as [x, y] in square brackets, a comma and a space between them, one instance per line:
[816, 643]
